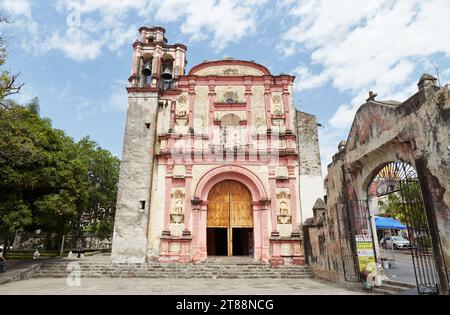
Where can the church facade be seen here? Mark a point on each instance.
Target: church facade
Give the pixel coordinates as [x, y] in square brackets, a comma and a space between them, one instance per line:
[216, 161]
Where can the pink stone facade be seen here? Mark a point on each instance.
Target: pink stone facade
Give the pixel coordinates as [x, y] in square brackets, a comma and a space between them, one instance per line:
[223, 120]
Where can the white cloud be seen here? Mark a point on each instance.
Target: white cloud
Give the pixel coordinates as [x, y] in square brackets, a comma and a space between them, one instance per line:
[306, 80]
[94, 26]
[75, 44]
[118, 99]
[228, 20]
[329, 146]
[366, 45]
[17, 7]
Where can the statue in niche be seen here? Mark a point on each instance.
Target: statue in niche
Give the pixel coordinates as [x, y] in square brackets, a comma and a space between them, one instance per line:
[177, 212]
[284, 214]
[182, 107]
[276, 108]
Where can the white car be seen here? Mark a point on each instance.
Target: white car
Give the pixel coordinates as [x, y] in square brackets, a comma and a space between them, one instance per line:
[397, 242]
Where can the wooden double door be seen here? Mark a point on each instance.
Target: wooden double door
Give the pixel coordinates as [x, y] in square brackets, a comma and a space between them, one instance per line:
[230, 220]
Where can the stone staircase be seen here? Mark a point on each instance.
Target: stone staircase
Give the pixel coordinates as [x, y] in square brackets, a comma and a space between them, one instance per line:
[393, 288]
[212, 269]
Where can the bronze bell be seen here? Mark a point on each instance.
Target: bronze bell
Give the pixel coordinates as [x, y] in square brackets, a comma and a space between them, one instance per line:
[167, 74]
[147, 70]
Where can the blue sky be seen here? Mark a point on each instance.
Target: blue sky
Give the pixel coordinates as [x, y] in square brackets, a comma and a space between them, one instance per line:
[76, 55]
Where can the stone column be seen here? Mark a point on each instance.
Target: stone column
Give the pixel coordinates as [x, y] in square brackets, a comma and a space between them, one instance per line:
[267, 101]
[287, 112]
[257, 231]
[196, 212]
[264, 231]
[212, 99]
[293, 193]
[168, 197]
[173, 110]
[187, 201]
[249, 130]
[191, 106]
[273, 204]
[201, 231]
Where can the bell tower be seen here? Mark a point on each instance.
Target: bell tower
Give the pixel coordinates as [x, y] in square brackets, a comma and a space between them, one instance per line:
[156, 64]
[156, 67]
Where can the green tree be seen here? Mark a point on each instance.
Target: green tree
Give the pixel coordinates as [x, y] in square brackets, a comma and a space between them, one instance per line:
[406, 205]
[47, 180]
[8, 81]
[103, 177]
[50, 182]
[30, 152]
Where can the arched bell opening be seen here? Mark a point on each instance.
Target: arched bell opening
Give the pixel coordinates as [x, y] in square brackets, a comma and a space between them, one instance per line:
[146, 68]
[167, 67]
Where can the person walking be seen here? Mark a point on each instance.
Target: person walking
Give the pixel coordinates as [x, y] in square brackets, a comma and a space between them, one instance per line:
[2, 261]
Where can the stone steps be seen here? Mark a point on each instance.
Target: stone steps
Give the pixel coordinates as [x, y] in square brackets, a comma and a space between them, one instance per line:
[392, 288]
[207, 270]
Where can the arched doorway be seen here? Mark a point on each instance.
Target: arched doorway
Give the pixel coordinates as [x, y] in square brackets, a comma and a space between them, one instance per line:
[403, 229]
[230, 220]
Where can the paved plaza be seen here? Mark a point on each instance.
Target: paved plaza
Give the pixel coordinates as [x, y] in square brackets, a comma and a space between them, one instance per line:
[174, 287]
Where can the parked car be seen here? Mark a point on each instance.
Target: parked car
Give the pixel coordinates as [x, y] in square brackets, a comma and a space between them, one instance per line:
[397, 242]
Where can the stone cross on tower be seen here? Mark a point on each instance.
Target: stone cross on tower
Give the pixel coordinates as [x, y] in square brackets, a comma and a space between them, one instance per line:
[372, 96]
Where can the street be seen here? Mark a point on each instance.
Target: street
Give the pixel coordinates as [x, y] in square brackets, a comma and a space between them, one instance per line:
[403, 270]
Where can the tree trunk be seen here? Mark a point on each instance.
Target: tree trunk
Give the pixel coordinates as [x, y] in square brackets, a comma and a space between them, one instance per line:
[61, 252]
[5, 246]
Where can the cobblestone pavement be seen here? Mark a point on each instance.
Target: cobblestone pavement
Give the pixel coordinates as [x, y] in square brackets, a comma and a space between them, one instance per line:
[175, 287]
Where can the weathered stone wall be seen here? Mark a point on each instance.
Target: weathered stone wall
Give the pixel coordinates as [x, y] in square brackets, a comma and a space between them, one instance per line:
[417, 132]
[130, 230]
[322, 243]
[310, 168]
[258, 108]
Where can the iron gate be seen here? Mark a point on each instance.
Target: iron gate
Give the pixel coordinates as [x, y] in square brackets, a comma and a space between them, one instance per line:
[353, 220]
[423, 257]
[401, 179]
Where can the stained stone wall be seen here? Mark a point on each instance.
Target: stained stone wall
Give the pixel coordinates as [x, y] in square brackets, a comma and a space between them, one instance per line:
[130, 230]
[310, 167]
[416, 131]
[258, 108]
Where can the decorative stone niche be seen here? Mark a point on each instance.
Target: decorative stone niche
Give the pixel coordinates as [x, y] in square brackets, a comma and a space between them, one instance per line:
[278, 116]
[177, 210]
[277, 108]
[284, 212]
[181, 116]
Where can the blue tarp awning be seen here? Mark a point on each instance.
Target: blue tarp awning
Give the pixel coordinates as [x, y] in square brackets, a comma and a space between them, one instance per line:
[388, 223]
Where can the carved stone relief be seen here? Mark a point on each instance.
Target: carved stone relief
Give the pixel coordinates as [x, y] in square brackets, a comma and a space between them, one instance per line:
[284, 212]
[276, 105]
[177, 211]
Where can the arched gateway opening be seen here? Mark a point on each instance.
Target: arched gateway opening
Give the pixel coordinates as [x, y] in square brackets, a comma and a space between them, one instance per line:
[403, 227]
[230, 220]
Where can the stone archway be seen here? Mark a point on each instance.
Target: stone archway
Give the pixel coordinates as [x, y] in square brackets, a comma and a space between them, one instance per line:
[358, 177]
[260, 207]
[230, 220]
